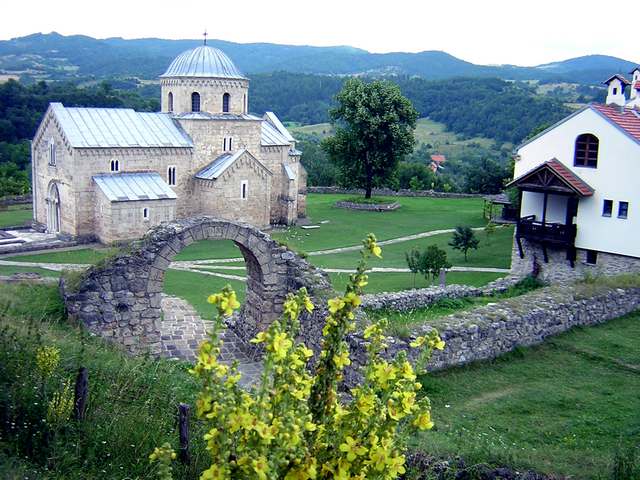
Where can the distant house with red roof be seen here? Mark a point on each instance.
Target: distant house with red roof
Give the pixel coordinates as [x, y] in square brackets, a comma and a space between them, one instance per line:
[436, 162]
[579, 182]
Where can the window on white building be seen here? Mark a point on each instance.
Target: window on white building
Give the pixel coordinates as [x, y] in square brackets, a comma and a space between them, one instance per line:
[243, 189]
[592, 257]
[145, 213]
[171, 175]
[586, 151]
[52, 152]
[623, 209]
[607, 208]
[115, 165]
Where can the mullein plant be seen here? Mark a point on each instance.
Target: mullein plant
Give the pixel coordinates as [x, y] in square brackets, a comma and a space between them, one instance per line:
[293, 425]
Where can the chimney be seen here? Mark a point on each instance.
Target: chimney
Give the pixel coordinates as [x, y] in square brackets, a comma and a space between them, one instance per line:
[615, 94]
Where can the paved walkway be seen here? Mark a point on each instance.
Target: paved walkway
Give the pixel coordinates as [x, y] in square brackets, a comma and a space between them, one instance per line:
[183, 330]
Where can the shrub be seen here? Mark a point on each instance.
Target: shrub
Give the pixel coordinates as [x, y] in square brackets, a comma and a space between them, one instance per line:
[464, 239]
[294, 425]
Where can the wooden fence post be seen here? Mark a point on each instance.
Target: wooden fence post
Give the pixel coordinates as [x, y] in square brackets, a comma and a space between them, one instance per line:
[183, 429]
[82, 392]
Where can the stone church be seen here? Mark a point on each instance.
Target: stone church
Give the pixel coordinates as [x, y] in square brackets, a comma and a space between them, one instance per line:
[114, 172]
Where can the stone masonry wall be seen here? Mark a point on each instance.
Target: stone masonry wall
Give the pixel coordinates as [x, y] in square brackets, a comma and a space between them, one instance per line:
[120, 299]
[394, 193]
[492, 330]
[559, 270]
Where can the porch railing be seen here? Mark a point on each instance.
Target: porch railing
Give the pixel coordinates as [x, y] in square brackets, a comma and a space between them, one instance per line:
[555, 233]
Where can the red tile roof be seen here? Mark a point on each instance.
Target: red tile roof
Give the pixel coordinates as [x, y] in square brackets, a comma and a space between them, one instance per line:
[571, 178]
[575, 183]
[438, 158]
[627, 119]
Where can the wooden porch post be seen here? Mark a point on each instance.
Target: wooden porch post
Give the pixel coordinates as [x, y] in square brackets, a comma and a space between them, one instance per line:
[544, 208]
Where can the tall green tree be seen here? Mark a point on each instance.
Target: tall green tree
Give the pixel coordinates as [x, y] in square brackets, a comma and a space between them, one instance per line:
[464, 239]
[434, 260]
[374, 126]
[414, 262]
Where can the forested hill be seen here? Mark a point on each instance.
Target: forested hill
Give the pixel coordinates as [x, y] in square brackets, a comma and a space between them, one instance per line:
[54, 56]
[486, 107]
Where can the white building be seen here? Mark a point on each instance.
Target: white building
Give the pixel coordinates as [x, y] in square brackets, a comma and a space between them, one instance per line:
[580, 191]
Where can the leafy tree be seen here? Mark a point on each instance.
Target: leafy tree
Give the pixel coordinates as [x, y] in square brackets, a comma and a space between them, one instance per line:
[414, 262]
[434, 260]
[464, 239]
[374, 127]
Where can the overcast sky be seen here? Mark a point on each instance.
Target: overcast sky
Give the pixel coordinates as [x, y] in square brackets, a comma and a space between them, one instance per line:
[479, 31]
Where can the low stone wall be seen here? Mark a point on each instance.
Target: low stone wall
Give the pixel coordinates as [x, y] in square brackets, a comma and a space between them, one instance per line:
[370, 207]
[16, 200]
[394, 193]
[494, 329]
[423, 297]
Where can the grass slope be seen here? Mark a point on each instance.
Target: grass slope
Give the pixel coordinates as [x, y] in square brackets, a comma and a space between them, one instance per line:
[15, 215]
[562, 407]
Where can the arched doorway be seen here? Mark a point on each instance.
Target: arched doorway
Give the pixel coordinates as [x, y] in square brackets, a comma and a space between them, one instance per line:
[53, 208]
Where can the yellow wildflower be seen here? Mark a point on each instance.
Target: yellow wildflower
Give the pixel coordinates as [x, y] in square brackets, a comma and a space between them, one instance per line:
[396, 466]
[407, 371]
[336, 304]
[352, 448]
[308, 305]
[423, 422]
[261, 467]
[214, 472]
[365, 403]
[261, 337]
[342, 360]
[383, 372]
[281, 345]
[418, 342]
[47, 360]
[378, 458]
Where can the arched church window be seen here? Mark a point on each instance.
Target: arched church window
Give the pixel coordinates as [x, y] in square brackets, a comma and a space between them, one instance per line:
[115, 165]
[586, 151]
[52, 152]
[225, 102]
[170, 102]
[195, 102]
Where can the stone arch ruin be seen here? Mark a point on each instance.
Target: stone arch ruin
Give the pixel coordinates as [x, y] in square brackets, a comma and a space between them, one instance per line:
[120, 299]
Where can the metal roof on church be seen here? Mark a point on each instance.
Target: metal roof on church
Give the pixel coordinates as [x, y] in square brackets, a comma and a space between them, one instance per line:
[119, 128]
[203, 61]
[270, 136]
[127, 187]
[219, 165]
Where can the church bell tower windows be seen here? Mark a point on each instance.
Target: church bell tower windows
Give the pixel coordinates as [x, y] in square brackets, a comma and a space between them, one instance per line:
[195, 102]
[227, 144]
[115, 165]
[170, 102]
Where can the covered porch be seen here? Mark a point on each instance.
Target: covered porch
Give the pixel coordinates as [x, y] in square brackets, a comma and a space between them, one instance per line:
[550, 195]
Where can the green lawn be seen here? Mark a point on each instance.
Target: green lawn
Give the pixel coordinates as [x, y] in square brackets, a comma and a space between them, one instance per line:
[83, 255]
[195, 288]
[493, 252]
[562, 407]
[393, 282]
[15, 215]
[9, 270]
[349, 227]
[206, 249]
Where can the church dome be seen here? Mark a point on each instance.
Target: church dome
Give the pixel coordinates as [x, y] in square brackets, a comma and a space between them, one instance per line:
[204, 61]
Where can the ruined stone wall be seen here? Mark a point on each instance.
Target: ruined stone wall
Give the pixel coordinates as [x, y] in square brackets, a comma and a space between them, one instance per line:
[559, 270]
[120, 299]
[395, 193]
[492, 330]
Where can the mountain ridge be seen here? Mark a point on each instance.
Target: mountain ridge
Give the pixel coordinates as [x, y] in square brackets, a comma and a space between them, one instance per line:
[56, 56]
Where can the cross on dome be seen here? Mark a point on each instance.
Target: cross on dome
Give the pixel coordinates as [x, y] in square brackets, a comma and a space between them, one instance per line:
[205, 36]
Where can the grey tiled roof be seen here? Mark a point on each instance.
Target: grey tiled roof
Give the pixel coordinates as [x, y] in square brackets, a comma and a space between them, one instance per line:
[118, 127]
[126, 187]
[203, 61]
[275, 121]
[219, 165]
